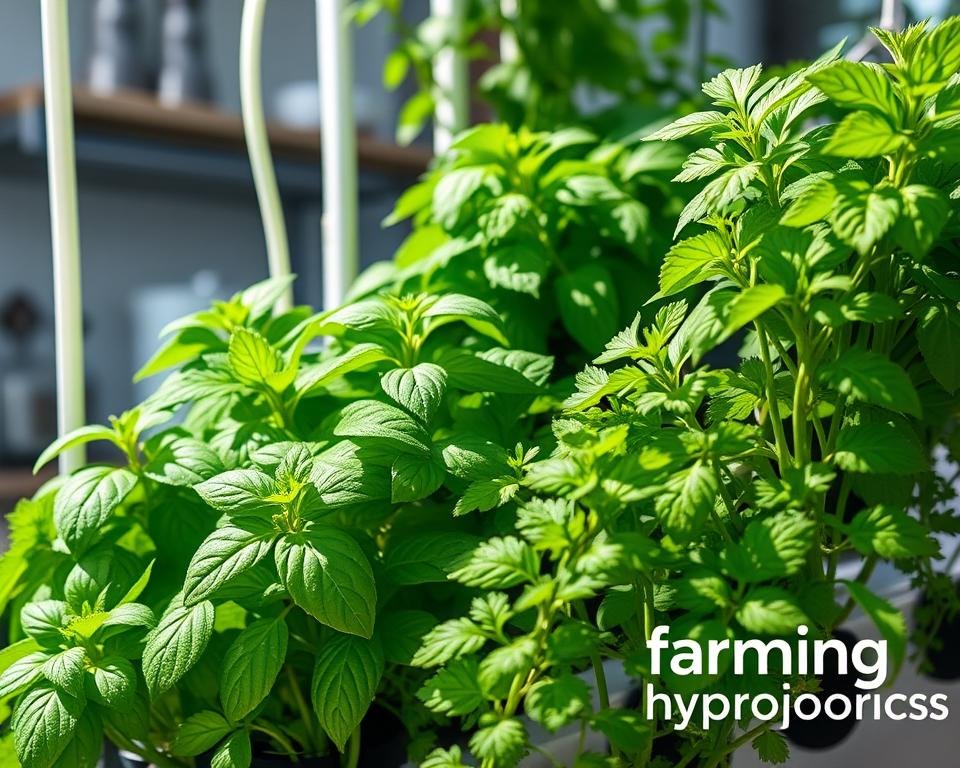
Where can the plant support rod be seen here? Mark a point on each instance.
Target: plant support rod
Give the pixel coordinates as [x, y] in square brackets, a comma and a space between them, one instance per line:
[338, 150]
[258, 145]
[64, 230]
[451, 76]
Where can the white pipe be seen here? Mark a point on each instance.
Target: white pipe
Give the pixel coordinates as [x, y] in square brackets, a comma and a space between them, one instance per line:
[509, 50]
[258, 145]
[64, 230]
[452, 78]
[339, 150]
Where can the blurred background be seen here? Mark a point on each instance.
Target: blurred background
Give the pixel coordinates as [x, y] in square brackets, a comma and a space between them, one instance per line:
[168, 215]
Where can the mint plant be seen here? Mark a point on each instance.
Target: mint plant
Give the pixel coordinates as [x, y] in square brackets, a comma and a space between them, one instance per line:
[248, 579]
[720, 500]
[559, 54]
[557, 231]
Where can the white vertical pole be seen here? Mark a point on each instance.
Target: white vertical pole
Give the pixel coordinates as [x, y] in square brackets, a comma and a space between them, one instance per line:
[452, 78]
[339, 150]
[258, 145]
[62, 176]
[509, 50]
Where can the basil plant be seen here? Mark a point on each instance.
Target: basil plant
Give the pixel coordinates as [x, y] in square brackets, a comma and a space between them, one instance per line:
[248, 578]
[557, 231]
[716, 497]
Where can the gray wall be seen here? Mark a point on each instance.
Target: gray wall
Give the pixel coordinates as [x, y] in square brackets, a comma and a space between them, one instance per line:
[133, 237]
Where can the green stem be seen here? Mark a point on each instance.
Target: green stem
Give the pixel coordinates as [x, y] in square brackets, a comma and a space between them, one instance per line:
[306, 714]
[353, 750]
[773, 406]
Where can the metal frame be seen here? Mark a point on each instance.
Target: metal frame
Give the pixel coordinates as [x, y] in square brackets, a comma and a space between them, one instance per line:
[338, 137]
[258, 145]
[64, 228]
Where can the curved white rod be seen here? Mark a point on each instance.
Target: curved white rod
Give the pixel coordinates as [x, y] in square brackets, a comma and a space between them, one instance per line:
[64, 230]
[339, 150]
[452, 78]
[258, 145]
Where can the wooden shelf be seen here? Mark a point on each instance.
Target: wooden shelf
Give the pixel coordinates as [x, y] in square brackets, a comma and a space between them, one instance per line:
[139, 115]
[17, 483]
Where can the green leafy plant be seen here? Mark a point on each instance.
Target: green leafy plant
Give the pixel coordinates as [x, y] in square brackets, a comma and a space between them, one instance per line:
[720, 499]
[249, 578]
[561, 51]
[557, 231]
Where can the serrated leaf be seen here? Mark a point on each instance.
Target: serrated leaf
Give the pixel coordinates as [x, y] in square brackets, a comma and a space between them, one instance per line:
[557, 702]
[771, 747]
[254, 361]
[938, 334]
[890, 532]
[384, 423]
[869, 377]
[199, 733]
[112, 681]
[86, 501]
[22, 673]
[314, 377]
[176, 644]
[503, 665]
[501, 744]
[327, 574]
[419, 389]
[251, 666]
[345, 680]
[184, 462]
[449, 640]
[454, 690]
[863, 134]
[752, 302]
[691, 261]
[43, 621]
[238, 490]
[235, 752]
[689, 125]
[859, 85]
[687, 500]
[477, 314]
[879, 448]
[499, 563]
[770, 611]
[863, 214]
[43, 723]
[223, 555]
[65, 670]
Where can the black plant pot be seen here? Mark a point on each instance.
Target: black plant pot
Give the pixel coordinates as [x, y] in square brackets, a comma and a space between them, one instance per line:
[943, 661]
[823, 732]
[383, 746]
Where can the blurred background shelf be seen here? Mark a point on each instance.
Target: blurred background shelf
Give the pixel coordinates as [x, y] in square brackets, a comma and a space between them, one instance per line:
[132, 134]
[16, 483]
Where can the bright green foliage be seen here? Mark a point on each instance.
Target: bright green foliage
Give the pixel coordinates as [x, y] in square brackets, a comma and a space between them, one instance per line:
[386, 516]
[297, 505]
[718, 496]
[559, 232]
